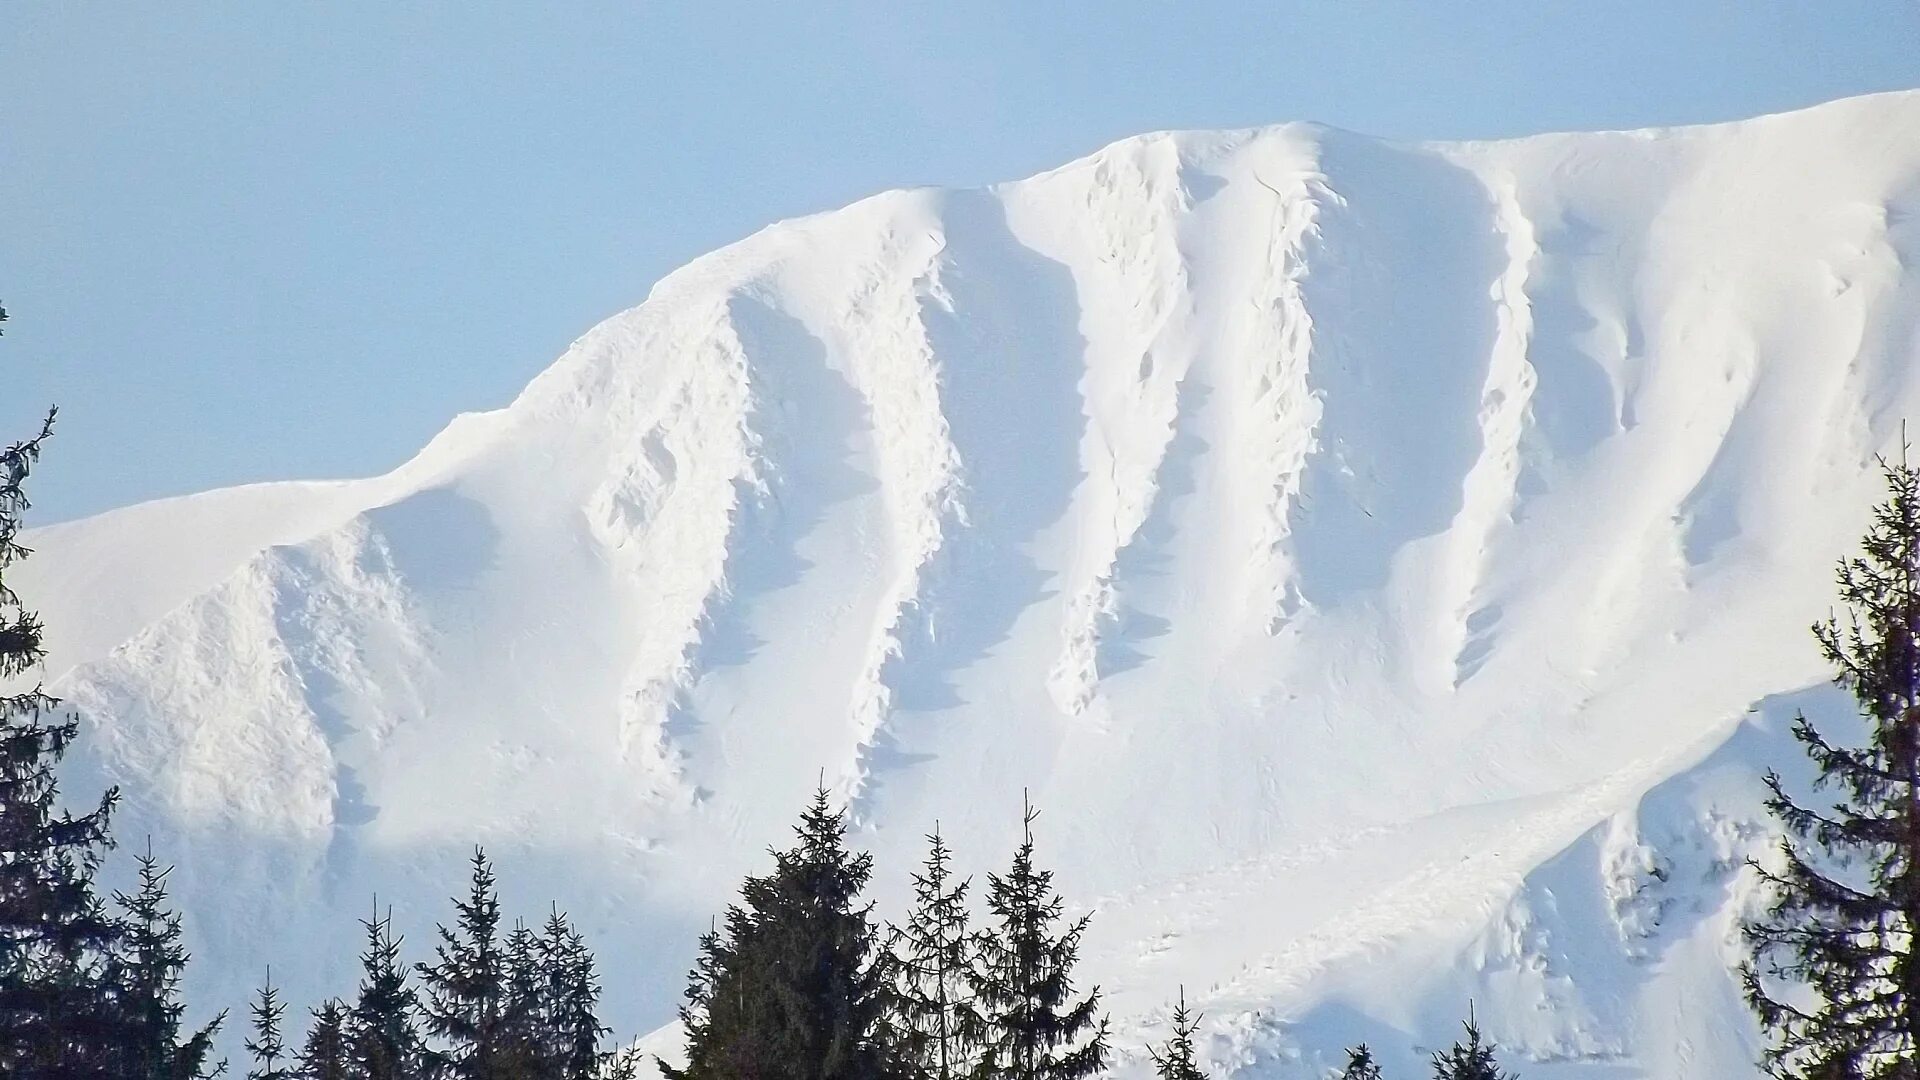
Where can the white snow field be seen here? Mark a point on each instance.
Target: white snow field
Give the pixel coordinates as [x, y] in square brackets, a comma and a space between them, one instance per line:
[1388, 566]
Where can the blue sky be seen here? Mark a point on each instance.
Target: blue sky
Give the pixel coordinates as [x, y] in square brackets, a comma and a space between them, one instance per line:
[247, 241]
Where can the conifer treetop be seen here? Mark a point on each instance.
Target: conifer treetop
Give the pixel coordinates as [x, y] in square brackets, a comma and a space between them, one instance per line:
[463, 1005]
[789, 987]
[933, 1022]
[325, 1054]
[383, 1040]
[1471, 1059]
[1360, 1064]
[267, 1045]
[1176, 1061]
[1035, 1029]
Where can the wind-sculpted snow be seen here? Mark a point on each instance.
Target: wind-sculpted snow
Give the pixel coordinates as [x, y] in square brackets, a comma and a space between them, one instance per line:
[1388, 566]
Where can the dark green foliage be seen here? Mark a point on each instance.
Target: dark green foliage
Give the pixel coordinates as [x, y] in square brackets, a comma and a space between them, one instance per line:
[932, 1024]
[82, 994]
[790, 989]
[272, 1060]
[1176, 1060]
[522, 1007]
[567, 998]
[383, 1039]
[1846, 892]
[1469, 1060]
[326, 1054]
[1360, 1065]
[56, 1016]
[519, 1007]
[146, 969]
[714, 1021]
[1035, 1030]
[465, 1002]
[523, 1049]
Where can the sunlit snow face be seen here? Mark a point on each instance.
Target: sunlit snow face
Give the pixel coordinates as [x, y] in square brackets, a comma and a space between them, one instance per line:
[1339, 540]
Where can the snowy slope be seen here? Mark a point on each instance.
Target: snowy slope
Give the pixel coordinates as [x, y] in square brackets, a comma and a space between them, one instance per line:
[1387, 565]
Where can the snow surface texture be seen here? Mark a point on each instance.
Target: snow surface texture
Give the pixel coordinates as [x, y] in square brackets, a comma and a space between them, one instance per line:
[1387, 565]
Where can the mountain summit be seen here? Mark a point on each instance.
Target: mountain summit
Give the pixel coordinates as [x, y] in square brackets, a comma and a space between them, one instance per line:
[1387, 565]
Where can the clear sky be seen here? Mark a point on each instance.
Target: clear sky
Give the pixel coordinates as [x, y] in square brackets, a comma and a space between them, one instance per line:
[247, 241]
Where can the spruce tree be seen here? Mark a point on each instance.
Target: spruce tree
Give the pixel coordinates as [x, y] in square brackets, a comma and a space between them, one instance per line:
[267, 1046]
[464, 1004]
[714, 1009]
[792, 990]
[146, 971]
[1360, 1065]
[1469, 1060]
[1176, 1060]
[932, 1024]
[1034, 1029]
[568, 1000]
[382, 1033]
[525, 1037]
[1845, 894]
[56, 1015]
[326, 1054]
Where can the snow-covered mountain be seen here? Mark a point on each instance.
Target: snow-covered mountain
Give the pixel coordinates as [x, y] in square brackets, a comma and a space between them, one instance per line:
[1386, 565]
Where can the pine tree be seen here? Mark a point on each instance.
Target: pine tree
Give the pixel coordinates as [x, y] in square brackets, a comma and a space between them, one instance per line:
[56, 1018]
[267, 1047]
[792, 990]
[1024, 981]
[465, 989]
[1846, 893]
[932, 1024]
[1176, 1062]
[146, 971]
[1360, 1065]
[1469, 1060]
[383, 1039]
[326, 1054]
[569, 999]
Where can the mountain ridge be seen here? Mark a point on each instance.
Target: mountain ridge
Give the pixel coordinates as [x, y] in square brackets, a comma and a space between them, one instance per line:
[1418, 522]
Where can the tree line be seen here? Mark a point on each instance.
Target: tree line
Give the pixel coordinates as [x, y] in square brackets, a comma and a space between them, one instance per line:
[799, 980]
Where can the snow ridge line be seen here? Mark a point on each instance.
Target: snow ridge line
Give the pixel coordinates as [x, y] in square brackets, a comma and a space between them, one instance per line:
[1130, 387]
[897, 374]
[1282, 411]
[666, 512]
[1492, 484]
